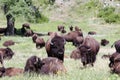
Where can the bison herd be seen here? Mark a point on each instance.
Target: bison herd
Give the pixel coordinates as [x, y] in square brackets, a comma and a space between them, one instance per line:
[87, 49]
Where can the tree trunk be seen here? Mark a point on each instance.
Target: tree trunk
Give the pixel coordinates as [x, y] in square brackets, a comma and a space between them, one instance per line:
[10, 25]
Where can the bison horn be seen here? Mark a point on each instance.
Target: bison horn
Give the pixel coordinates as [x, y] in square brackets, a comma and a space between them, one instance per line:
[64, 41]
[51, 43]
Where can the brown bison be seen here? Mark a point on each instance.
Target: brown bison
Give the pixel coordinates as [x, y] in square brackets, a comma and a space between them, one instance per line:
[115, 63]
[69, 37]
[33, 65]
[34, 37]
[112, 59]
[78, 41]
[117, 46]
[75, 54]
[104, 42]
[11, 71]
[88, 50]
[8, 43]
[26, 25]
[40, 42]
[52, 66]
[55, 47]
[5, 53]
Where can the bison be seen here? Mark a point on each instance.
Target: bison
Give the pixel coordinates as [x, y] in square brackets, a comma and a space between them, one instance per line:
[78, 41]
[77, 28]
[26, 25]
[40, 42]
[104, 42]
[55, 47]
[8, 43]
[75, 54]
[52, 65]
[115, 63]
[69, 37]
[5, 53]
[117, 46]
[33, 65]
[88, 50]
[11, 71]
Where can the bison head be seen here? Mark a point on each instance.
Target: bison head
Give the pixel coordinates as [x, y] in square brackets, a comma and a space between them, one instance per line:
[57, 47]
[85, 56]
[8, 53]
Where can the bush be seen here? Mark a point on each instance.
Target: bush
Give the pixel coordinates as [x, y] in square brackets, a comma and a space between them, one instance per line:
[109, 15]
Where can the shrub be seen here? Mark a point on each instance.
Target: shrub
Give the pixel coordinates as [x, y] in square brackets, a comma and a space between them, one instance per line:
[109, 15]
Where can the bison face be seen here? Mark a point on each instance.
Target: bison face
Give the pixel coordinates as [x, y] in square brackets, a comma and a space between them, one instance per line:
[84, 54]
[38, 63]
[57, 46]
[8, 53]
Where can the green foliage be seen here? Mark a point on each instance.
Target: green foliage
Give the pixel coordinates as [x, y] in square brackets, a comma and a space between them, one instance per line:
[23, 8]
[109, 15]
[93, 4]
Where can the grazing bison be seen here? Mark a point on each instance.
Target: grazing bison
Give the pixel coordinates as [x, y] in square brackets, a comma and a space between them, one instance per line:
[8, 43]
[104, 42]
[11, 71]
[75, 54]
[88, 50]
[5, 53]
[55, 47]
[52, 66]
[117, 46]
[33, 64]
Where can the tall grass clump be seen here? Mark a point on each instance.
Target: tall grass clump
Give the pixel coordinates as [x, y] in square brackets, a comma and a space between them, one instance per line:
[109, 15]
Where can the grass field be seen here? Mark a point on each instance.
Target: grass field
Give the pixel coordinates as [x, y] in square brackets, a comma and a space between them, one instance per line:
[25, 48]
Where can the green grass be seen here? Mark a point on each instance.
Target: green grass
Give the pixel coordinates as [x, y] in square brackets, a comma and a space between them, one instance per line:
[26, 48]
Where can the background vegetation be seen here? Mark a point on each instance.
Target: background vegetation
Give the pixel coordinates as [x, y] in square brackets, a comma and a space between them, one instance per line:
[82, 13]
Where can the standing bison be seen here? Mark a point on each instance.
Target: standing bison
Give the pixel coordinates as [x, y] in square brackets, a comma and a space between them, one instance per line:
[117, 46]
[88, 50]
[55, 47]
[5, 53]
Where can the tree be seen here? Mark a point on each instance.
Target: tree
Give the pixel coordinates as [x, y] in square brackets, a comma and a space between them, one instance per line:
[13, 8]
